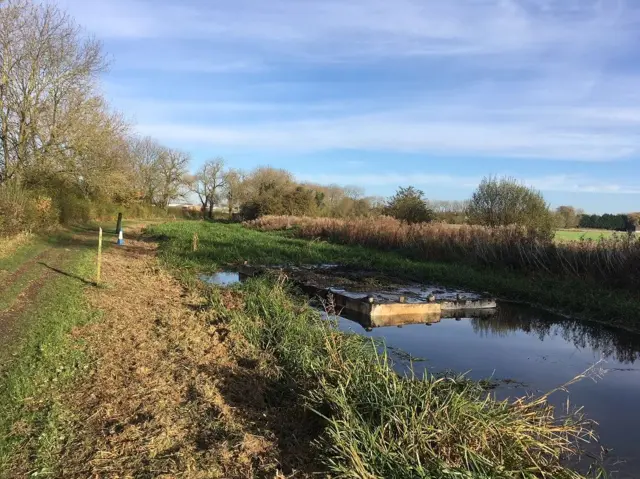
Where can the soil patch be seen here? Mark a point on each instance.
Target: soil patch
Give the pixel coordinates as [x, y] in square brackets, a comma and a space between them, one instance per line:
[173, 393]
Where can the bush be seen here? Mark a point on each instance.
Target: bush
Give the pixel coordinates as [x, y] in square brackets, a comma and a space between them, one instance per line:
[25, 211]
[409, 205]
[505, 202]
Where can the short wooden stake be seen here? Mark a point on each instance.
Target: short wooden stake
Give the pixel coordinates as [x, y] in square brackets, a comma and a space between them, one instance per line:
[99, 256]
[195, 241]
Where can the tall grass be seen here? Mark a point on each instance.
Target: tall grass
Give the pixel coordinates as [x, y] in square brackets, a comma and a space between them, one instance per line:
[614, 261]
[378, 424]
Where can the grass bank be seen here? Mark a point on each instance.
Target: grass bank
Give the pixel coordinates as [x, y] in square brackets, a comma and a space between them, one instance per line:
[373, 422]
[230, 244]
[44, 306]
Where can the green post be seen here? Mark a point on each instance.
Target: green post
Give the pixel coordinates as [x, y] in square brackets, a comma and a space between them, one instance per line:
[119, 225]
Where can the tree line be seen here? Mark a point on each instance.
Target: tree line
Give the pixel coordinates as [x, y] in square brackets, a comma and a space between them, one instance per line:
[271, 191]
[615, 222]
[570, 217]
[64, 153]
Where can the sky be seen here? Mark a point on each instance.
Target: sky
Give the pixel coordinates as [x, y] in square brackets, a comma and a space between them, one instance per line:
[380, 93]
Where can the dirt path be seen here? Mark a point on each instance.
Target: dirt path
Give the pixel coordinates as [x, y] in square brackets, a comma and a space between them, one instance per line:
[172, 392]
[7, 278]
[38, 270]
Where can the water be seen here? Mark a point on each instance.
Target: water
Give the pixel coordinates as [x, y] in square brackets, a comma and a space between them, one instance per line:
[223, 278]
[538, 351]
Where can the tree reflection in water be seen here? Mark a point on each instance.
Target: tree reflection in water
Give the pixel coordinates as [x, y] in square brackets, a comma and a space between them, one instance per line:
[610, 342]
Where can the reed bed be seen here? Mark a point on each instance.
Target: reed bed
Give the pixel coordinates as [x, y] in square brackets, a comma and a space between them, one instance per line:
[379, 424]
[613, 261]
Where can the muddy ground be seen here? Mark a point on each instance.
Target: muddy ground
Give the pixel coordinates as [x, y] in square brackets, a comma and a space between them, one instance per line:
[360, 283]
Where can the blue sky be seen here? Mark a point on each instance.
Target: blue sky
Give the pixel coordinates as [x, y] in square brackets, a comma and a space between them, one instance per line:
[379, 93]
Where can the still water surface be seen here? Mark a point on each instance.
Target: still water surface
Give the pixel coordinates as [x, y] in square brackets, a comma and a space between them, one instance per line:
[539, 351]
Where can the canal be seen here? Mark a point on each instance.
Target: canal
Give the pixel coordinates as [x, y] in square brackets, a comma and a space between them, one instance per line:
[527, 350]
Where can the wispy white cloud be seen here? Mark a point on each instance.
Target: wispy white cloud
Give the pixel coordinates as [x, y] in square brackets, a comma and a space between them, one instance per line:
[402, 27]
[516, 78]
[559, 183]
[396, 132]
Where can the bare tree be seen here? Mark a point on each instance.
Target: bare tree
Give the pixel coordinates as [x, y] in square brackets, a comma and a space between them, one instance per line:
[234, 189]
[47, 76]
[160, 172]
[146, 154]
[208, 183]
[172, 171]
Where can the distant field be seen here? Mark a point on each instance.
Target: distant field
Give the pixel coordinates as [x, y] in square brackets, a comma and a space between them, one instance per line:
[577, 234]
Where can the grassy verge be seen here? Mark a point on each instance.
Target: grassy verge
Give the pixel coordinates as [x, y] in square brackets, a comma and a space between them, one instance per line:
[13, 257]
[31, 418]
[374, 423]
[228, 244]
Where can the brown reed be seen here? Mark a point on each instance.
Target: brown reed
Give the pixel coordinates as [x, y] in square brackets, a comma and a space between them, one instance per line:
[613, 261]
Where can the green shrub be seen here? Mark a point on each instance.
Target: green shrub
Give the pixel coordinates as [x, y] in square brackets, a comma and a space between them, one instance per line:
[408, 205]
[505, 202]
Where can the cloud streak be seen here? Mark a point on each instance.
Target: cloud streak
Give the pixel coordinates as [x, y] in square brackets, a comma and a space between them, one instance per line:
[403, 27]
[402, 133]
[559, 183]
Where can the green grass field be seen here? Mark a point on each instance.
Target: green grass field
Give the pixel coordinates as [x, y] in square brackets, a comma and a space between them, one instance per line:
[563, 235]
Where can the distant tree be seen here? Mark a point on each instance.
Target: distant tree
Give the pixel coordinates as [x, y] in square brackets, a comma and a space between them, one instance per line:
[172, 172]
[633, 221]
[452, 212]
[588, 221]
[160, 173]
[502, 202]
[353, 192]
[145, 153]
[408, 205]
[300, 201]
[267, 192]
[607, 221]
[568, 217]
[208, 184]
[234, 189]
